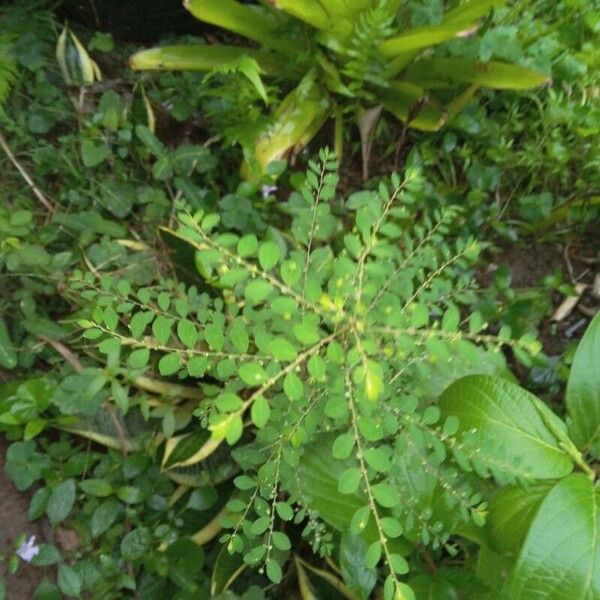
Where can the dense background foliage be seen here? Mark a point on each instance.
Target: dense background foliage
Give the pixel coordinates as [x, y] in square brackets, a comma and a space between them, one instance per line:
[334, 373]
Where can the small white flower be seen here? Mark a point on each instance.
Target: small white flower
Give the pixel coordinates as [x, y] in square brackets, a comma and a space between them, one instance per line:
[28, 550]
[267, 190]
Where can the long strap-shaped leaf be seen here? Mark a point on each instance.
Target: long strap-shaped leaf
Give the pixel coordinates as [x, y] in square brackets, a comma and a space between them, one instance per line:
[295, 122]
[201, 58]
[459, 21]
[471, 11]
[409, 102]
[423, 37]
[494, 74]
[251, 22]
[310, 11]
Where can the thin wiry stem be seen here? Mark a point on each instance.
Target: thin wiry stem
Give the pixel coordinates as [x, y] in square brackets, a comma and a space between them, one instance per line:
[365, 476]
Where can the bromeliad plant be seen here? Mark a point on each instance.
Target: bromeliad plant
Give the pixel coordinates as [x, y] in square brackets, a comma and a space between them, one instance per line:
[339, 58]
[318, 357]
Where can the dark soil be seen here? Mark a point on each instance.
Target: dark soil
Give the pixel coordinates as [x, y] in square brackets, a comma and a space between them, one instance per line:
[579, 263]
[14, 521]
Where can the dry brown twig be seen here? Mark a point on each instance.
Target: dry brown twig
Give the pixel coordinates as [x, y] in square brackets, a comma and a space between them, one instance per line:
[25, 175]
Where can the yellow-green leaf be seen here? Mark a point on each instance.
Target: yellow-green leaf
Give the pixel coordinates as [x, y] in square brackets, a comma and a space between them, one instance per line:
[201, 58]
[493, 74]
[423, 37]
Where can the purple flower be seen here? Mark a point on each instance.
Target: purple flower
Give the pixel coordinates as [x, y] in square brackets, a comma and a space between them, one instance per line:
[28, 550]
[267, 190]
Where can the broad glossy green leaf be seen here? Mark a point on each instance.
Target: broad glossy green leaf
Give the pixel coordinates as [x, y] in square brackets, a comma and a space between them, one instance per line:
[448, 583]
[507, 416]
[510, 514]
[201, 58]
[318, 474]
[493, 74]
[583, 388]
[360, 578]
[560, 557]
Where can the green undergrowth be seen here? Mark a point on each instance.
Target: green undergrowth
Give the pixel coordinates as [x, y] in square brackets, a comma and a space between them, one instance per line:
[231, 389]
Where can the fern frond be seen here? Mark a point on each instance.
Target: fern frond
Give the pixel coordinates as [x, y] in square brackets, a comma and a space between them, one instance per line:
[364, 63]
[8, 66]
